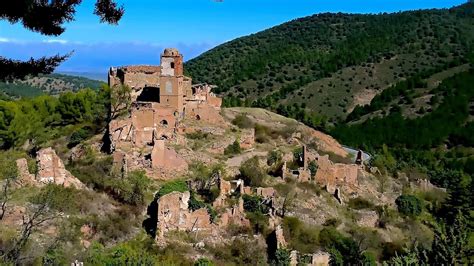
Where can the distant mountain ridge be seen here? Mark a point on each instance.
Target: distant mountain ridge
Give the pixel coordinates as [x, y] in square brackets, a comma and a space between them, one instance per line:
[52, 84]
[330, 63]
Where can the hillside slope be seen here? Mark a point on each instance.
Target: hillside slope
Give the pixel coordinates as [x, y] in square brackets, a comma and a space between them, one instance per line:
[332, 62]
[52, 84]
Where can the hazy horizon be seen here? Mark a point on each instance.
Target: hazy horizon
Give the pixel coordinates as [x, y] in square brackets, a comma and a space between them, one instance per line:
[192, 26]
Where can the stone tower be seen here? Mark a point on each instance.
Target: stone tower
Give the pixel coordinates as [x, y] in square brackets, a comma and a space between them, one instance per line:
[171, 79]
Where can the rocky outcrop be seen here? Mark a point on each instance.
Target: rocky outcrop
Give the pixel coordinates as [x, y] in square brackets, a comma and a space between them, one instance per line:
[50, 170]
[24, 176]
[367, 218]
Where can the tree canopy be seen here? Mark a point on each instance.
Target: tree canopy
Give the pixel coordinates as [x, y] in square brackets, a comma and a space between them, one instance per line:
[48, 18]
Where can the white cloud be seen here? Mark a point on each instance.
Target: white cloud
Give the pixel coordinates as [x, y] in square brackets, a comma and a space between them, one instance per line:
[55, 41]
[4, 39]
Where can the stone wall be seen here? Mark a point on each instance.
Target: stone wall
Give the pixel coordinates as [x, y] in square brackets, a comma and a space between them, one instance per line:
[50, 170]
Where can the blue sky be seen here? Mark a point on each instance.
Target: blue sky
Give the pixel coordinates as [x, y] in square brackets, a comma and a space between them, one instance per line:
[193, 26]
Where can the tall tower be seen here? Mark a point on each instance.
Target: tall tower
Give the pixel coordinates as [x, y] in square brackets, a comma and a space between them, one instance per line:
[171, 79]
[171, 63]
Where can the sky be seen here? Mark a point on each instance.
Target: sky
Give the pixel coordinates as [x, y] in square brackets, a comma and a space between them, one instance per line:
[192, 26]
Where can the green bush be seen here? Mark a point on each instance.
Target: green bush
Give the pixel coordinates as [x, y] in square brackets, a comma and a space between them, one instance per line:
[80, 135]
[233, 148]
[301, 237]
[243, 121]
[254, 204]
[282, 257]
[360, 203]
[409, 205]
[274, 157]
[132, 189]
[313, 168]
[340, 246]
[171, 186]
[252, 173]
[203, 262]
[197, 135]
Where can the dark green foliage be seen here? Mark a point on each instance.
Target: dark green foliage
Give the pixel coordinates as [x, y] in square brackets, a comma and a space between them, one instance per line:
[431, 129]
[274, 157]
[203, 262]
[195, 204]
[301, 237]
[233, 148]
[409, 205]
[360, 203]
[254, 204]
[298, 156]
[313, 168]
[197, 135]
[80, 135]
[133, 188]
[45, 117]
[368, 259]
[171, 186]
[243, 121]
[241, 252]
[285, 58]
[282, 257]
[252, 173]
[343, 249]
[59, 198]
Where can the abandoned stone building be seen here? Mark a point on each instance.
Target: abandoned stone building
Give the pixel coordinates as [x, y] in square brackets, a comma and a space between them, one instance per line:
[161, 98]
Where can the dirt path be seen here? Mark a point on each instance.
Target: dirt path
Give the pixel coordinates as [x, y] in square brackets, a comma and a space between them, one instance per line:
[238, 160]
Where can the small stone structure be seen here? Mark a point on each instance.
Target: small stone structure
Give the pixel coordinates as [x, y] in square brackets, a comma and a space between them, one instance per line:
[330, 175]
[320, 258]
[173, 214]
[161, 99]
[50, 170]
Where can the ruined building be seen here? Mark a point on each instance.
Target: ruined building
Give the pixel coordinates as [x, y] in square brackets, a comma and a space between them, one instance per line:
[161, 99]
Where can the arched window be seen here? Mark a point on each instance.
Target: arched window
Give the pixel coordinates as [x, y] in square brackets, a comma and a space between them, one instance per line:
[164, 123]
[198, 117]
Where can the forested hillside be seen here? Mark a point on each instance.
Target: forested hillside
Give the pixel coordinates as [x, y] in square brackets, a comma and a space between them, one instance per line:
[327, 64]
[52, 84]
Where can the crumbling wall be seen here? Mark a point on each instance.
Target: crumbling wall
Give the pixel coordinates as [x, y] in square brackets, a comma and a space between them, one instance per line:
[173, 214]
[50, 170]
[332, 175]
[167, 158]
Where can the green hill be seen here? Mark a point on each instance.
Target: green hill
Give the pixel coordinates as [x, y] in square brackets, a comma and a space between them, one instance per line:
[330, 63]
[52, 84]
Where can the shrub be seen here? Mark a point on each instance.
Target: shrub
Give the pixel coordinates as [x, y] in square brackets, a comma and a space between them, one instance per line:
[301, 237]
[341, 247]
[409, 205]
[80, 135]
[233, 148]
[132, 189]
[203, 262]
[282, 257]
[243, 121]
[197, 135]
[171, 186]
[252, 173]
[274, 157]
[254, 204]
[360, 203]
[262, 133]
[313, 168]
[58, 198]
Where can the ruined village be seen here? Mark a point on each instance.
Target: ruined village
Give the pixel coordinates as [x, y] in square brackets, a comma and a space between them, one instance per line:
[168, 127]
